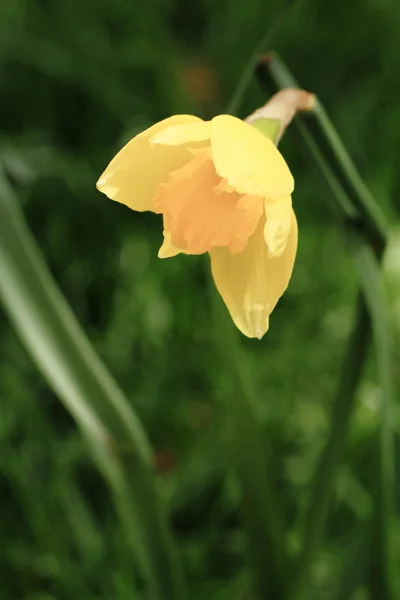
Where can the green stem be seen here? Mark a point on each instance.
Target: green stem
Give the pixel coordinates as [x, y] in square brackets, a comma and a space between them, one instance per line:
[261, 517]
[357, 210]
[57, 344]
[328, 140]
[272, 70]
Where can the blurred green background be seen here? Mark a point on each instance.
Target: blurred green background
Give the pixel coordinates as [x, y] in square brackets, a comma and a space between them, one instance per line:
[77, 80]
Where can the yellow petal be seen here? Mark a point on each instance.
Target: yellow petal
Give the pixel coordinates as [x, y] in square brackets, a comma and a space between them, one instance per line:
[174, 135]
[278, 224]
[250, 282]
[133, 175]
[197, 217]
[250, 162]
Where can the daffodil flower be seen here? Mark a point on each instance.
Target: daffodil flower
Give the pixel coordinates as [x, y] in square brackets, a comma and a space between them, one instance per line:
[224, 188]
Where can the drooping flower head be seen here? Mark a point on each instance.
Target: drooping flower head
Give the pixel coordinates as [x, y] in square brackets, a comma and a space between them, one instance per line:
[224, 188]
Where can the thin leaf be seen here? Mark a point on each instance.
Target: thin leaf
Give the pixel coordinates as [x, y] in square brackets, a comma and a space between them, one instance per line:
[65, 357]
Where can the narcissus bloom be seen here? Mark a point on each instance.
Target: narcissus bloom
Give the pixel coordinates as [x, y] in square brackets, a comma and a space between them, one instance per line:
[224, 188]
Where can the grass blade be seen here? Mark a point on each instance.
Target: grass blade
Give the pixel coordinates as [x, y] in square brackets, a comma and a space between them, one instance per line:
[61, 351]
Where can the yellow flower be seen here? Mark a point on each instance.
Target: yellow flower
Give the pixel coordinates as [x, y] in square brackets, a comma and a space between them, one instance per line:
[222, 188]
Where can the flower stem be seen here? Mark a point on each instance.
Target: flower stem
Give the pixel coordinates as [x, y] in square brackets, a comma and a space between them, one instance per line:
[272, 71]
[365, 226]
[57, 344]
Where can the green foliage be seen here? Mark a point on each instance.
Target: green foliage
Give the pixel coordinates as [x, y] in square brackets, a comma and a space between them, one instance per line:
[77, 80]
